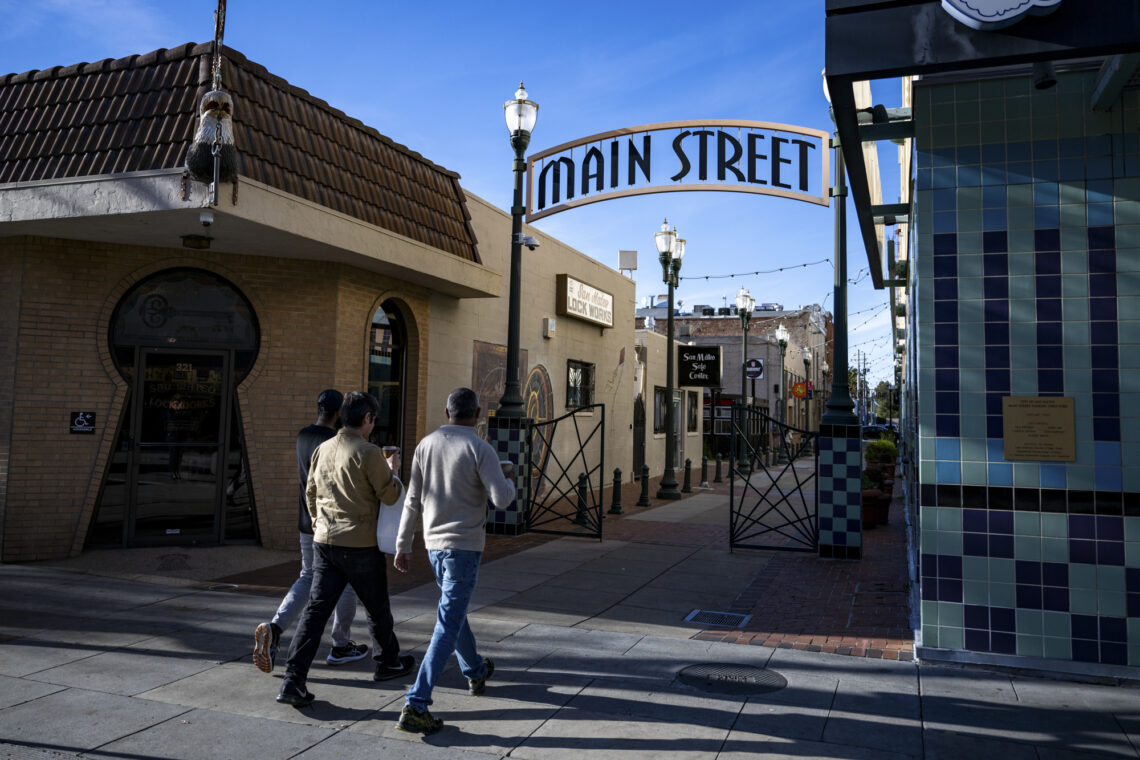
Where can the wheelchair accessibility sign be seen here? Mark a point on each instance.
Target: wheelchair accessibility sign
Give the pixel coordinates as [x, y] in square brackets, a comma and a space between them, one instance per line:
[83, 423]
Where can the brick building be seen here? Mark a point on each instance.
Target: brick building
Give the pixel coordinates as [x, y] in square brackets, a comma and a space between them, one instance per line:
[154, 371]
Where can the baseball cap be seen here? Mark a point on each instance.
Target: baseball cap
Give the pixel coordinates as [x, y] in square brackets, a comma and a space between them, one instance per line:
[330, 400]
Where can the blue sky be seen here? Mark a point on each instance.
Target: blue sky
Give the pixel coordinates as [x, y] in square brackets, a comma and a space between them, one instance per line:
[434, 76]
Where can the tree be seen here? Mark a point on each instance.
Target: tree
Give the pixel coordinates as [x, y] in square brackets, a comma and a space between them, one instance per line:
[885, 401]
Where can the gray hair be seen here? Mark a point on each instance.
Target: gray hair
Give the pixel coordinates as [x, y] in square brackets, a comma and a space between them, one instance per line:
[462, 404]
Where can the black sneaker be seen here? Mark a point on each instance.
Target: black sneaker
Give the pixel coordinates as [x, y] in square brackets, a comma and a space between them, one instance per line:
[265, 641]
[350, 652]
[294, 694]
[402, 667]
[476, 686]
[415, 722]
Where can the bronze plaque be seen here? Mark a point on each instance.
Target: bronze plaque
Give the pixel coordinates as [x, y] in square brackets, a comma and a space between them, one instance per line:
[1039, 428]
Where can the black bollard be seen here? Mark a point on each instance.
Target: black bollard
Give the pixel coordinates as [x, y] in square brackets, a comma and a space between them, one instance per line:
[643, 500]
[688, 487]
[717, 478]
[615, 508]
[704, 473]
[583, 491]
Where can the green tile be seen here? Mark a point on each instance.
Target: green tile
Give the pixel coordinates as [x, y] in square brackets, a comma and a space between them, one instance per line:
[1056, 624]
[1054, 525]
[951, 638]
[1128, 309]
[927, 474]
[1081, 602]
[1073, 239]
[1054, 550]
[1077, 357]
[975, 569]
[949, 519]
[929, 611]
[1074, 285]
[950, 542]
[969, 266]
[975, 473]
[929, 538]
[1020, 217]
[1134, 655]
[928, 517]
[1024, 310]
[1112, 604]
[969, 287]
[1132, 553]
[974, 425]
[1017, 130]
[970, 242]
[1058, 649]
[1030, 622]
[930, 636]
[1020, 241]
[1127, 212]
[1019, 196]
[1003, 595]
[1030, 646]
[1082, 576]
[1022, 334]
[991, 132]
[1132, 528]
[1022, 286]
[1027, 548]
[975, 592]
[1128, 236]
[1072, 215]
[1027, 474]
[942, 136]
[967, 111]
[1022, 263]
[1022, 357]
[1110, 578]
[972, 333]
[968, 133]
[1080, 478]
[1072, 191]
[950, 614]
[969, 197]
[969, 220]
[1027, 524]
[1075, 310]
[1023, 384]
[966, 91]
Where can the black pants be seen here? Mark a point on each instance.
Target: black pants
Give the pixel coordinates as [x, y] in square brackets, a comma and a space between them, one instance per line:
[333, 567]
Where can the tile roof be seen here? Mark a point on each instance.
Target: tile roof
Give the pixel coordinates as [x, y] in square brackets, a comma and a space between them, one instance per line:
[139, 113]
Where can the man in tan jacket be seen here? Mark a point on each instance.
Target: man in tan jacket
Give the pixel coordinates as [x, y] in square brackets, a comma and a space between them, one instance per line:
[348, 478]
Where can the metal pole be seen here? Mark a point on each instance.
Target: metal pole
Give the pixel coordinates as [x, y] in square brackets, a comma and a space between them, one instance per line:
[839, 406]
[704, 472]
[688, 487]
[668, 485]
[511, 404]
[615, 507]
[643, 499]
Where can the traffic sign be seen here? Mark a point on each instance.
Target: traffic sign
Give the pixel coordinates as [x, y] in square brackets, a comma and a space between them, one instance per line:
[754, 368]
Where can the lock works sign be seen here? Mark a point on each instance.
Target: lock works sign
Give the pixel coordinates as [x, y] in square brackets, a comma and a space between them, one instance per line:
[716, 154]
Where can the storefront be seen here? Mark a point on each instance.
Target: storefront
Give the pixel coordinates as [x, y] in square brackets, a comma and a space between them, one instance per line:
[156, 361]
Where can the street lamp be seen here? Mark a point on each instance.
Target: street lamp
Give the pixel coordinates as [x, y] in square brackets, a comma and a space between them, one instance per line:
[670, 250]
[782, 341]
[744, 305]
[807, 381]
[521, 114]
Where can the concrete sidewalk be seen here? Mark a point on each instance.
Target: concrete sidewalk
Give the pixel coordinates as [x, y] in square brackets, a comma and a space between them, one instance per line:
[588, 638]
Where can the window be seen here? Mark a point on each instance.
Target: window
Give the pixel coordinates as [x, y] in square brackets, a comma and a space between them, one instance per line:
[579, 384]
[693, 401]
[658, 409]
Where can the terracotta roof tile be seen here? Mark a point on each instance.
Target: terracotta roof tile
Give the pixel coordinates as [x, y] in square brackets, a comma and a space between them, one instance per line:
[140, 112]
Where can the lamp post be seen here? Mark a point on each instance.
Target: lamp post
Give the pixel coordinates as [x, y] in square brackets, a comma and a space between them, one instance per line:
[744, 305]
[670, 250]
[807, 381]
[521, 114]
[782, 342]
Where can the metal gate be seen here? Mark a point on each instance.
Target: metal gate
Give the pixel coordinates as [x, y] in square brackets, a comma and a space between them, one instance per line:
[565, 496]
[772, 484]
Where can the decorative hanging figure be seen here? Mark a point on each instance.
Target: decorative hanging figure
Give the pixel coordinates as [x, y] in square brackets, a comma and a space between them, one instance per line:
[213, 156]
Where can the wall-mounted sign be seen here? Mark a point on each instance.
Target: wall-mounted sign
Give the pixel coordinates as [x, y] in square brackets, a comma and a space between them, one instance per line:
[698, 366]
[715, 154]
[986, 15]
[799, 390]
[754, 368]
[83, 423]
[577, 299]
[1040, 428]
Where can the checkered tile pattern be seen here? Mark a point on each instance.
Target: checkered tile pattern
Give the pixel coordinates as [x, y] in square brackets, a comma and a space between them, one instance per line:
[1028, 284]
[509, 437]
[840, 492]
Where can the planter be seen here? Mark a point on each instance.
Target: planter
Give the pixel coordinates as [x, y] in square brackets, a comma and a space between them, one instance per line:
[872, 500]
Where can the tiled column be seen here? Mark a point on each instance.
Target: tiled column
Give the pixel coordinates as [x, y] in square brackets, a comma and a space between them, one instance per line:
[840, 492]
[510, 438]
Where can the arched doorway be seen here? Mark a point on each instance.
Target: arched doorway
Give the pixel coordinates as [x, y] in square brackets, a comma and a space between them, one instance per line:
[387, 373]
[182, 339]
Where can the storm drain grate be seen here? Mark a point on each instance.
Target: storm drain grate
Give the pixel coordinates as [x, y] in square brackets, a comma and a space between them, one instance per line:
[723, 678]
[723, 619]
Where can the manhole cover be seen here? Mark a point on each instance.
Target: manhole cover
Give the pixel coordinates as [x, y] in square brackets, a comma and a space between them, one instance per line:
[723, 619]
[725, 678]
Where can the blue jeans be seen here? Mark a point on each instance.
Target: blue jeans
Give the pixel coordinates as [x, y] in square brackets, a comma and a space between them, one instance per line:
[456, 571]
[298, 595]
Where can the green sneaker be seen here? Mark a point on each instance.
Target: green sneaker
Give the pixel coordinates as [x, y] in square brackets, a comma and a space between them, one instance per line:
[415, 722]
[476, 686]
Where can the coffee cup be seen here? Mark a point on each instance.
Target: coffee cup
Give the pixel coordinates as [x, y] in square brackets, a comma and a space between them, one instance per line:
[389, 450]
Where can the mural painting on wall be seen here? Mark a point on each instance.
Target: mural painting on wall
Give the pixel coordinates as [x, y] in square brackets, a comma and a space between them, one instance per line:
[488, 377]
[538, 400]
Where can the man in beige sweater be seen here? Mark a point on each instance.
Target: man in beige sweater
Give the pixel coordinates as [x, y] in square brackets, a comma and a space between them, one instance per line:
[348, 478]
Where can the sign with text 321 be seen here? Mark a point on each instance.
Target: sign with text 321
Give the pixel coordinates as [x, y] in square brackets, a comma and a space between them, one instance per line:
[582, 301]
[698, 366]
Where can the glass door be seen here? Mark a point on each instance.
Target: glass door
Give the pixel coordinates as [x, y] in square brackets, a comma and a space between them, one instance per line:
[179, 454]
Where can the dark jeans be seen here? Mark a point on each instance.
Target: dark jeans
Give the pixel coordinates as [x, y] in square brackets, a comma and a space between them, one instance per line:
[334, 567]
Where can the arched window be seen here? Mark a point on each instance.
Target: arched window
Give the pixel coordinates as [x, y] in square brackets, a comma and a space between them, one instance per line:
[387, 370]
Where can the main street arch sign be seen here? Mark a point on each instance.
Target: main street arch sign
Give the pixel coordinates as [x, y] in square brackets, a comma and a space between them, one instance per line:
[729, 155]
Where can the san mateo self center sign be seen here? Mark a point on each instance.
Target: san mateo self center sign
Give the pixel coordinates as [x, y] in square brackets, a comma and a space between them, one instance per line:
[716, 154]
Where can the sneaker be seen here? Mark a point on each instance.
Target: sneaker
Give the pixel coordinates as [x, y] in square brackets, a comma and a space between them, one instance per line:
[350, 652]
[402, 667]
[294, 694]
[476, 686]
[416, 722]
[265, 641]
